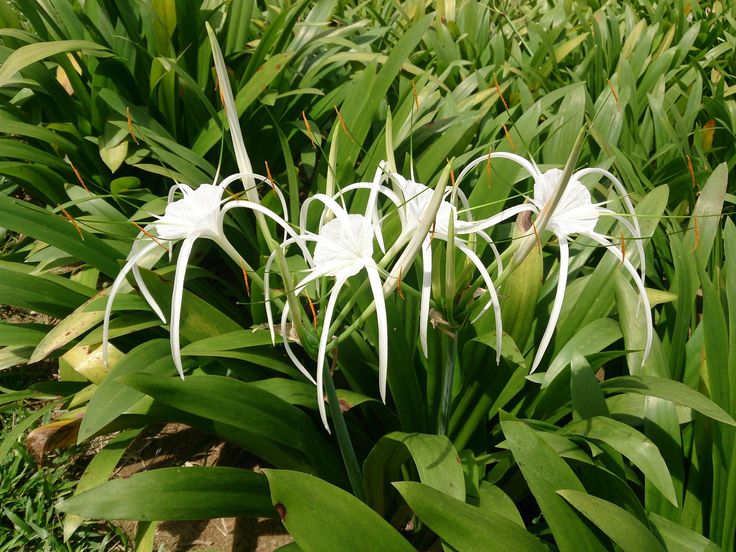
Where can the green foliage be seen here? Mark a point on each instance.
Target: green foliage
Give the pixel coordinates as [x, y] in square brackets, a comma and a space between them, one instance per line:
[104, 106]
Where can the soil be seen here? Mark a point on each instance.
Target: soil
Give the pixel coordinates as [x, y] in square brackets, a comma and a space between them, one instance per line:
[177, 445]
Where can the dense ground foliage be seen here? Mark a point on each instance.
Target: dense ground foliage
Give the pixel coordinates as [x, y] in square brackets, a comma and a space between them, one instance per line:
[115, 114]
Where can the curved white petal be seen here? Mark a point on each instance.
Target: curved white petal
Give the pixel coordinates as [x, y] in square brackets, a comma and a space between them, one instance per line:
[623, 193]
[339, 282]
[525, 164]
[176, 300]
[114, 289]
[463, 227]
[491, 290]
[147, 294]
[638, 242]
[327, 201]
[639, 285]
[557, 304]
[426, 291]
[287, 347]
[382, 320]
[494, 249]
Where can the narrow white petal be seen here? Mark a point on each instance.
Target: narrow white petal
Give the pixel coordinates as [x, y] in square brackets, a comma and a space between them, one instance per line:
[114, 289]
[518, 159]
[491, 290]
[382, 320]
[323, 350]
[639, 285]
[623, 192]
[426, 291]
[463, 227]
[328, 202]
[557, 305]
[176, 300]
[147, 294]
[287, 346]
[638, 242]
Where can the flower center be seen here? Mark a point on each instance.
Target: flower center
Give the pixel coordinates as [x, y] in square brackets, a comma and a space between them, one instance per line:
[196, 212]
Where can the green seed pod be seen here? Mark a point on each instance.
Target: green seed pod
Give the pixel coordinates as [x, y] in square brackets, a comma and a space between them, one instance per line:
[519, 292]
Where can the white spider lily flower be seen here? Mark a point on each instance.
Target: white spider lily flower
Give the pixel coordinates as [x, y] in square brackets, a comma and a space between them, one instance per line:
[199, 213]
[575, 213]
[343, 247]
[417, 198]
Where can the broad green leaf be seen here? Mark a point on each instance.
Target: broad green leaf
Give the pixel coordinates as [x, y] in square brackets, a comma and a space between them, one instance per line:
[677, 537]
[25, 218]
[633, 445]
[25, 290]
[592, 338]
[112, 398]
[465, 527]
[176, 494]
[271, 428]
[98, 471]
[69, 328]
[545, 473]
[21, 334]
[622, 527]
[706, 215]
[668, 389]
[585, 391]
[436, 461]
[31, 53]
[323, 517]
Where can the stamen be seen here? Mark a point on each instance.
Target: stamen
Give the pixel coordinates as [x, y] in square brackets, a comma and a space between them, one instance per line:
[697, 234]
[416, 96]
[74, 222]
[500, 94]
[342, 123]
[431, 235]
[270, 178]
[315, 320]
[690, 170]
[79, 176]
[149, 235]
[245, 279]
[309, 130]
[623, 249]
[398, 286]
[130, 125]
[452, 172]
[615, 96]
[508, 137]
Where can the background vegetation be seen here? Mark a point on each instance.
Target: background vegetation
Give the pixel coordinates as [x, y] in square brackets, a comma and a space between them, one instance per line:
[105, 105]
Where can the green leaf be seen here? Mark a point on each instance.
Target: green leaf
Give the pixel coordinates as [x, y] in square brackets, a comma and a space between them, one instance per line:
[624, 529]
[668, 389]
[112, 398]
[25, 218]
[98, 471]
[633, 445]
[31, 53]
[176, 494]
[436, 461]
[69, 328]
[323, 517]
[545, 473]
[706, 215]
[677, 537]
[465, 527]
[269, 427]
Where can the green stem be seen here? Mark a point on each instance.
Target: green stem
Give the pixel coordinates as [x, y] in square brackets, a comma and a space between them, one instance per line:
[471, 422]
[448, 375]
[343, 438]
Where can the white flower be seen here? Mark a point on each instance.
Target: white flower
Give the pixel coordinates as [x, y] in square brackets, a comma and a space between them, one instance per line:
[416, 202]
[199, 213]
[575, 213]
[343, 247]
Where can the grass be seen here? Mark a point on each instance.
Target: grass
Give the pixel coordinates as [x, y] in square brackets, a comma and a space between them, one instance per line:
[28, 492]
